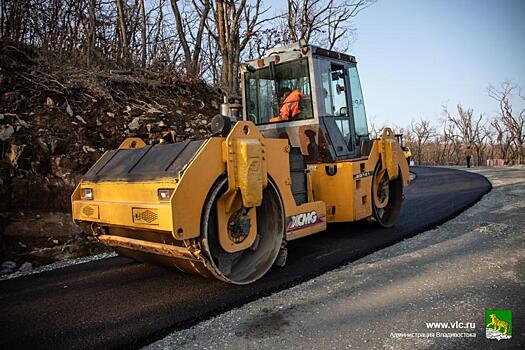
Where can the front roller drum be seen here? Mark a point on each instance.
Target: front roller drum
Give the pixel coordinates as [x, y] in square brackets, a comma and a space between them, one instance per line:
[250, 264]
[182, 264]
[205, 256]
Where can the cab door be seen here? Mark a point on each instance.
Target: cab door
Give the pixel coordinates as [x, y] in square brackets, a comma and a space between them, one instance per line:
[335, 114]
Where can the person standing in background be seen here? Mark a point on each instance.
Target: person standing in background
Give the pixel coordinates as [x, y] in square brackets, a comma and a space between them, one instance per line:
[468, 155]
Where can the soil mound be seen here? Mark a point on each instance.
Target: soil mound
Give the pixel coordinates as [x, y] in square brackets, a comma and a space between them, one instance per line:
[56, 120]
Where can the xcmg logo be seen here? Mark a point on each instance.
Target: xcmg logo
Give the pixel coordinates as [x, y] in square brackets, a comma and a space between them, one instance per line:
[298, 221]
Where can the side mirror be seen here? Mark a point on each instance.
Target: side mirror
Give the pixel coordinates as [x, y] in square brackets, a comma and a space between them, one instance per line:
[336, 75]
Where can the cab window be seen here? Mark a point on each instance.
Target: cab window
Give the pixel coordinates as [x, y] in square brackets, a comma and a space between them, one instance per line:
[358, 106]
[267, 89]
[334, 92]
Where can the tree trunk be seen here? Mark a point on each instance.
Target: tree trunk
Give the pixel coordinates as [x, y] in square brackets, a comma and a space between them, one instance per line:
[91, 33]
[124, 46]
[143, 33]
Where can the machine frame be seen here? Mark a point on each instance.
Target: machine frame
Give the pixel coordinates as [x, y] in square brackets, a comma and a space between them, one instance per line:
[226, 206]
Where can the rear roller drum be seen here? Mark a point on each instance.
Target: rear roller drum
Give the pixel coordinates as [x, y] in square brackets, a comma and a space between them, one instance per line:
[387, 197]
[247, 265]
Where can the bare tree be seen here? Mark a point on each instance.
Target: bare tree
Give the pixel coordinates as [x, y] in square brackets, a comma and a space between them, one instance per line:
[462, 122]
[263, 40]
[513, 122]
[503, 139]
[91, 34]
[159, 22]
[143, 35]
[123, 31]
[322, 21]
[479, 139]
[236, 22]
[422, 132]
[471, 131]
[192, 51]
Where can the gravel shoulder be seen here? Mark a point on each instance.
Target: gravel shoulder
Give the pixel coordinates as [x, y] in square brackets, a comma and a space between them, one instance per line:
[452, 273]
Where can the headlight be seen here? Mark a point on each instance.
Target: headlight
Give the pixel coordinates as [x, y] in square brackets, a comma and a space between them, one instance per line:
[164, 194]
[86, 193]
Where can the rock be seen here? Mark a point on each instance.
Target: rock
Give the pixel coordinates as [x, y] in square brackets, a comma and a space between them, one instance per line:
[88, 149]
[58, 146]
[55, 241]
[492, 334]
[154, 111]
[43, 146]
[22, 244]
[6, 131]
[69, 110]
[23, 122]
[111, 115]
[8, 264]
[26, 267]
[13, 154]
[60, 166]
[80, 119]
[50, 103]
[134, 125]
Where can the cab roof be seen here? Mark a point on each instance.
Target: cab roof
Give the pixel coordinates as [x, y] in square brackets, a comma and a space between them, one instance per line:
[316, 50]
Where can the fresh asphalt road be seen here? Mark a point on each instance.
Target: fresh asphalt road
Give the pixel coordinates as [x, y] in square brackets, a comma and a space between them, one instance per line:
[116, 302]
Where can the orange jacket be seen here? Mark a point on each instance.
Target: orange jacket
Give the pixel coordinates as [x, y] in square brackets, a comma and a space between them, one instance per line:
[290, 106]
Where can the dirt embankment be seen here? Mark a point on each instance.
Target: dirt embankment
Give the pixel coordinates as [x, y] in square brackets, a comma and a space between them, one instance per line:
[56, 120]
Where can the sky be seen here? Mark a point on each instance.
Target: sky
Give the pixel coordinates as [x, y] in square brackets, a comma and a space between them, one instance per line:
[416, 56]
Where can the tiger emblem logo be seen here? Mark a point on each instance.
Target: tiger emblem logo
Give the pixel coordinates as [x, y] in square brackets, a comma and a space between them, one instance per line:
[498, 324]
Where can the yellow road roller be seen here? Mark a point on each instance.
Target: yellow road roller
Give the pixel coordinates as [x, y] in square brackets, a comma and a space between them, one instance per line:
[279, 164]
[407, 153]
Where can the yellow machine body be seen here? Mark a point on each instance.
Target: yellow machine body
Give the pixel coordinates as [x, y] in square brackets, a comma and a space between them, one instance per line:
[121, 211]
[226, 206]
[407, 153]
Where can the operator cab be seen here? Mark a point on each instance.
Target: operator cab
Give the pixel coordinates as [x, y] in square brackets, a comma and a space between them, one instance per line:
[401, 141]
[311, 96]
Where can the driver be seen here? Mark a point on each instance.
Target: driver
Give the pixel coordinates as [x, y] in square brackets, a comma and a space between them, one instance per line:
[289, 105]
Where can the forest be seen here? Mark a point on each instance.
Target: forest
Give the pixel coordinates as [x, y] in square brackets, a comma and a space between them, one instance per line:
[207, 40]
